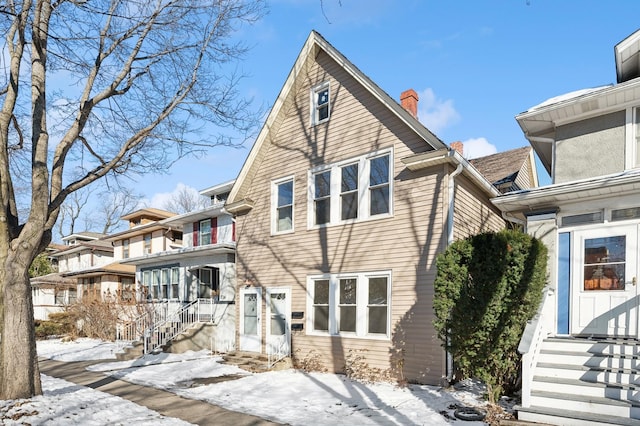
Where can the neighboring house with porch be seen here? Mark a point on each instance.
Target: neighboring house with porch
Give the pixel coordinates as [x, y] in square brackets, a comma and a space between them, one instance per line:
[580, 356]
[341, 208]
[190, 277]
[81, 252]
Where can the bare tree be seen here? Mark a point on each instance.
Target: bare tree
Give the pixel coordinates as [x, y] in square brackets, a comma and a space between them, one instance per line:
[185, 199]
[115, 204]
[71, 210]
[97, 88]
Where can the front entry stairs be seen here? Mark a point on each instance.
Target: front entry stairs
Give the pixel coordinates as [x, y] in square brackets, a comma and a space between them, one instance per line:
[585, 381]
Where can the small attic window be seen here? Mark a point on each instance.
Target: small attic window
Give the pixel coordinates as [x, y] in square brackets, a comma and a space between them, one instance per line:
[320, 104]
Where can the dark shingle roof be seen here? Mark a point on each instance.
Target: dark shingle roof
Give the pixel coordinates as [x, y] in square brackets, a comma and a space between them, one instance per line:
[503, 167]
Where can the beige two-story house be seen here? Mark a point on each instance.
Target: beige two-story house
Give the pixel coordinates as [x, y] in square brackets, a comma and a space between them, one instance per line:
[341, 208]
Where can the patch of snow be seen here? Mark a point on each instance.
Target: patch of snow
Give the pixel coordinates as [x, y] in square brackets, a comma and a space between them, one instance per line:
[290, 396]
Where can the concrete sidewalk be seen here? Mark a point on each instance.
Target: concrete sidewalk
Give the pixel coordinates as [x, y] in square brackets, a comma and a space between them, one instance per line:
[160, 401]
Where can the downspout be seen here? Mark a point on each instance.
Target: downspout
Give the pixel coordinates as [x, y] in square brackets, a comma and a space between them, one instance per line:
[452, 193]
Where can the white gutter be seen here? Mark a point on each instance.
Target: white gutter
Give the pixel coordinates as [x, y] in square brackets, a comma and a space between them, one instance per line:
[452, 194]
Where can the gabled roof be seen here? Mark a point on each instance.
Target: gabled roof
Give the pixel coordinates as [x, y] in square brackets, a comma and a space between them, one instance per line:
[502, 169]
[313, 46]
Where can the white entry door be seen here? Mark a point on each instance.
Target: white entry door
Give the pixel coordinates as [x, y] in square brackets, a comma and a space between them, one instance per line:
[605, 271]
[250, 322]
[278, 324]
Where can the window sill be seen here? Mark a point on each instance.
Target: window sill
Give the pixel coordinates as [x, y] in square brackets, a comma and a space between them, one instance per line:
[326, 120]
[290, 231]
[351, 221]
[380, 337]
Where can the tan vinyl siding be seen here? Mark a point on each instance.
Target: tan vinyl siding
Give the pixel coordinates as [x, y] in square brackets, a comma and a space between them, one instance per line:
[405, 243]
[471, 216]
[524, 179]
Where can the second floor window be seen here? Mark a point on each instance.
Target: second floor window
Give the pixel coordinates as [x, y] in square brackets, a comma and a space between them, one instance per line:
[205, 232]
[356, 189]
[147, 244]
[125, 249]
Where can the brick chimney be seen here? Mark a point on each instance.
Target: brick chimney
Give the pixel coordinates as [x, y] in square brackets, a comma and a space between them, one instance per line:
[409, 101]
[458, 146]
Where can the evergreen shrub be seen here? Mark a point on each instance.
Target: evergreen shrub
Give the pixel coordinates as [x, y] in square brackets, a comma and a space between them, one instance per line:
[486, 289]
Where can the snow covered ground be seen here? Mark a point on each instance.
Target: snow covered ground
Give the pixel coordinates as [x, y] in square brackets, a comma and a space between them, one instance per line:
[290, 396]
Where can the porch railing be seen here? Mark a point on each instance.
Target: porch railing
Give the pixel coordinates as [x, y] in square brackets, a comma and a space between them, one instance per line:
[530, 343]
[129, 331]
[170, 325]
[163, 321]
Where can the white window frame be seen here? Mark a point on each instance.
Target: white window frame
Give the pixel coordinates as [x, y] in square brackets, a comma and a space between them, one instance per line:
[364, 190]
[275, 184]
[362, 304]
[202, 234]
[126, 248]
[314, 107]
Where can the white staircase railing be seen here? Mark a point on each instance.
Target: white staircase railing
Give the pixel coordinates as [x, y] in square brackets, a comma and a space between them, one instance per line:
[529, 347]
[277, 352]
[163, 322]
[129, 331]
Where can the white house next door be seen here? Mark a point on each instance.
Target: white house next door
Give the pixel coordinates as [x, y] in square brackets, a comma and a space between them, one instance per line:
[250, 321]
[604, 290]
[278, 324]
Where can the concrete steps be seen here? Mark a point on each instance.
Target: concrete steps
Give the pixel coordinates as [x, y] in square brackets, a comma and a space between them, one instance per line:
[585, 382]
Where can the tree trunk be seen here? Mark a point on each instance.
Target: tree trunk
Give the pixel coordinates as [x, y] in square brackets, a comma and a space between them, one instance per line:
[20, 372]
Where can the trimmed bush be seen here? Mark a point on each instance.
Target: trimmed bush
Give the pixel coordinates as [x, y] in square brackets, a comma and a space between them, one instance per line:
[486, 289]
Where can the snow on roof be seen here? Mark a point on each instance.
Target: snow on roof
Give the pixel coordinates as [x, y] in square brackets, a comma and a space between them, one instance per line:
[568, 96]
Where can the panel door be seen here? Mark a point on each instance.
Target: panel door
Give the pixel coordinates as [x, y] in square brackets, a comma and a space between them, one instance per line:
[250, 321]
[604, 290]
[278, 324]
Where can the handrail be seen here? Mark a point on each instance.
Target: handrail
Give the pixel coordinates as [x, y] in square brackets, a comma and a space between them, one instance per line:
[530, 344]
[161, 323]
[282, 350]
[170, 326]
[133, 330]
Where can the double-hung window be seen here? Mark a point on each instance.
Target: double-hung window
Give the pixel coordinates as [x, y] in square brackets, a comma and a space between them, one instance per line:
[125, 248]
[355, 189]
[349, 191]
[205, 232]
[282, 205]
[379, 185]
[355, 305]
[320, 103]
[147, 244]
[322, 197]
[161, 282]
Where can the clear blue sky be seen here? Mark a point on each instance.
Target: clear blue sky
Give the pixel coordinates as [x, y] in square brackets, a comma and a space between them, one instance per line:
[475, 64]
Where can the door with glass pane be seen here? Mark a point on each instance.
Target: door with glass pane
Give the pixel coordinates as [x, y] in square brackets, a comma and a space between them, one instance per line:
[605, 270]
[278, 324]
[250, 322]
